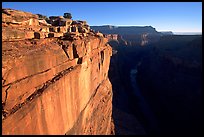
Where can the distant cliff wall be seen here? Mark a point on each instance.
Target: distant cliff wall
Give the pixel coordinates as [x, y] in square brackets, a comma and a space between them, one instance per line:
[172, 70]
[132, 35]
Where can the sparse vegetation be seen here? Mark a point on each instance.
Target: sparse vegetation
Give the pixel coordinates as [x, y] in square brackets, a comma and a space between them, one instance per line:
[67, 15]
[40, 16]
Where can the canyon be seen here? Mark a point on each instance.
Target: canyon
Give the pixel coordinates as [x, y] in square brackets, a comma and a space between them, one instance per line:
[173, 70]
[163, 83]
[131, 35]
[66, 77]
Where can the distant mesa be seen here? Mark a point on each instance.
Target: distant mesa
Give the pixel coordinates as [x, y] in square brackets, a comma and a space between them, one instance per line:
[130, 35]
[124, 30]
[167, 32]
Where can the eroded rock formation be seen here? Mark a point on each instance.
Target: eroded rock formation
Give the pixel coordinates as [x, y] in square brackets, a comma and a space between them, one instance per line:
[118, 39]
[54, 85]
[130, 35]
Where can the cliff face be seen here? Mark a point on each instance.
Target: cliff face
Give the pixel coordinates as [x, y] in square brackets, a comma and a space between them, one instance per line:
[112, 36]
[125, 106]
[130, 35]
[125, 30]
[55, 86]
[169, 86]
[116, 38]
[173, 70]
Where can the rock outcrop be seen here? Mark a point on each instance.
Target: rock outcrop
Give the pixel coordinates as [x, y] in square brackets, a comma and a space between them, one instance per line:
[54, 85]
[116, 38]
[31, 26]
[112, 36]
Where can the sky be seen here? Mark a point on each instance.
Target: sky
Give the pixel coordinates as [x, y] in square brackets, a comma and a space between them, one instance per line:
[164, 16]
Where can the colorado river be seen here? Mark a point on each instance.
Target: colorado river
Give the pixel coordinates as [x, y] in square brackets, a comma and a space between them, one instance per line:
[142, 104]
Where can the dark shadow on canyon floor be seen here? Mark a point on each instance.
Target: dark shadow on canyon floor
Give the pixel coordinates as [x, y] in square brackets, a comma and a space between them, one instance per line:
[125, 108]
[170, 82]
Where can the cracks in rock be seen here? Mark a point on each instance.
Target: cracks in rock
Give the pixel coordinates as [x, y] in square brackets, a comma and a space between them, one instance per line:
[102, 56]
[79, 61]
[5, 76]
[71, 130]
[5, 112]
[64, 47]
[75, 51]
[39, 90]
[99, 66]
[65, 51]
[6, 93]
[25, 78]
[3, 81]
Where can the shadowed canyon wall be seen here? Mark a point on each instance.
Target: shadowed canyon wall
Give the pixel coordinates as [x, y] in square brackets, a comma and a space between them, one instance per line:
[130, 35]
[172, 69]
[164, 97]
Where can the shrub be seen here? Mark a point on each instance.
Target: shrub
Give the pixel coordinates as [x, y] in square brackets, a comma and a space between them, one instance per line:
[67, 15]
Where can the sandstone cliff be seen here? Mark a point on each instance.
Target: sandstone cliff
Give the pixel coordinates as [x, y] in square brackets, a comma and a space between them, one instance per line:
[55, 86]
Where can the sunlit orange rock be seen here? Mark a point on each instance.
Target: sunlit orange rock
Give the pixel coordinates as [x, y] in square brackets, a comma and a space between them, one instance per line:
[55, 86]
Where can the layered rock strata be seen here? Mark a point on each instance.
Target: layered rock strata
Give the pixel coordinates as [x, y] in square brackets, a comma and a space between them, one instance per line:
[56, 86]
[130, 35]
